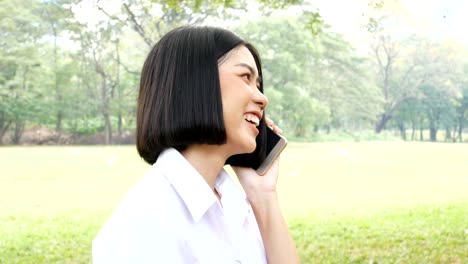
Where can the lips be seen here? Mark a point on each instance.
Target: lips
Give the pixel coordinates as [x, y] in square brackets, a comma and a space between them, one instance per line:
[253, 117]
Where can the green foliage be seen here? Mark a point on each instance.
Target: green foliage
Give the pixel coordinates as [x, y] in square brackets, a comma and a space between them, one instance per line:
[85, 126]
[60, 71]
[197, 4]
[20, 33]
[437, 107]
[419, 76]
[350, 136]
[315, 80]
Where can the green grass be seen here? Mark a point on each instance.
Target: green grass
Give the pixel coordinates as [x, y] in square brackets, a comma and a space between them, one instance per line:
[428, 234]
[378, 202]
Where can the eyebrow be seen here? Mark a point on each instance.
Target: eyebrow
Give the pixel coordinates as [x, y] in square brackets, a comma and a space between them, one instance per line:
[252, 71]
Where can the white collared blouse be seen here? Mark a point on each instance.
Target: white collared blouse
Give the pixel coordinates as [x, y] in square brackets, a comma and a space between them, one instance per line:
[172, 216]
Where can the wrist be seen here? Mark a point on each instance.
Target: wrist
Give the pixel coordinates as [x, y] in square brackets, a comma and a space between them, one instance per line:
[262, 199]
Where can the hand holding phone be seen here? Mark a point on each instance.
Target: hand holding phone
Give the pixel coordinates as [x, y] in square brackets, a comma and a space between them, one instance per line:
[275, 144]
[268, 149]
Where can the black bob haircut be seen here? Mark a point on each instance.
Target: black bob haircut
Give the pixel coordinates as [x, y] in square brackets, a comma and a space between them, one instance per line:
[179, 102]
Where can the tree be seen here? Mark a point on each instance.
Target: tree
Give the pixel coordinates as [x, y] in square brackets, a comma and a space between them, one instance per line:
[437, 96]
[438, 108]
[56, 19]
[99, 55]
[409, 112]
[461, 103]
[312, 81]
[150, 19]
[20, 34]
[401, 70]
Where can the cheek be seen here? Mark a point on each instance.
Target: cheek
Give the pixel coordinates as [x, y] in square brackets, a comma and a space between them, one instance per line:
[230, 92]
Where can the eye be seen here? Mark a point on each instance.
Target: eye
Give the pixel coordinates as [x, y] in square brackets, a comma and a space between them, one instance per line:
[246, 76]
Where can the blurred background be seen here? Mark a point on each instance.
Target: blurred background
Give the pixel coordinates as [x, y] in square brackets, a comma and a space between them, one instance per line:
[334, 70]
[372, 96]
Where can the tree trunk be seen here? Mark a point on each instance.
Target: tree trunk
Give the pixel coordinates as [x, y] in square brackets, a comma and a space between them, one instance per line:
[402, 129]
[421, 136]
[448, 135]
[106, 113]
[382, 122]
[58, 125]
[105, 108]
[454, 133]
[3, 129]
[58, 91]
[119, 90]
[120, 124]
[413, 131]
[19, 122]
[108, 128]
[432, 132]
[299, 131]
[460, 128]
[18, 132]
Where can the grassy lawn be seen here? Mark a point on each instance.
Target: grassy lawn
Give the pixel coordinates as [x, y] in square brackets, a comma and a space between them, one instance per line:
[379, 202]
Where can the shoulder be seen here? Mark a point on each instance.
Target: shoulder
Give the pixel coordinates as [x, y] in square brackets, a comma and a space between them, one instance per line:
[153, 196]
[150, 218]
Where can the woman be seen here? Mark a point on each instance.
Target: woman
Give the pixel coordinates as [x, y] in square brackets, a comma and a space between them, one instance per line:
[200, 105]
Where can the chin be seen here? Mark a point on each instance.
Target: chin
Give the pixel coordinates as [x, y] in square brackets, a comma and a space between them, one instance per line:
[251, 148]
[246, 149]
[244, 145]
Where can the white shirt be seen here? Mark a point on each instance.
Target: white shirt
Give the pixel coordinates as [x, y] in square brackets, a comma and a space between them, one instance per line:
[172, 216]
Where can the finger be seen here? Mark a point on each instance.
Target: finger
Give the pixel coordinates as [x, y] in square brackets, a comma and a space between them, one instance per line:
[278, 130]
[269, 122]
[240, 170]
[272, 125]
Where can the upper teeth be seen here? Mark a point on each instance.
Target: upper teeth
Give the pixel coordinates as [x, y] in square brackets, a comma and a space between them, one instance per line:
[252, 118]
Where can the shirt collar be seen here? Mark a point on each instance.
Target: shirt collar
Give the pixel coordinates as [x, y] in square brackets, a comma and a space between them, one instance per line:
[188, 183]
[195, 191]
[235, 203]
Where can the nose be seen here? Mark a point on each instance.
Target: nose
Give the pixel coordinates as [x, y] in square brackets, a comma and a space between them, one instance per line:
[260, 99]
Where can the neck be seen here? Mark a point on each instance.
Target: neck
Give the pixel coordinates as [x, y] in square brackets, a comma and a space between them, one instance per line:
[208, 160]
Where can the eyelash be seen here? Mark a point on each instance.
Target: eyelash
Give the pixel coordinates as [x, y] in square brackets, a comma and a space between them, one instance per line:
[248, 75]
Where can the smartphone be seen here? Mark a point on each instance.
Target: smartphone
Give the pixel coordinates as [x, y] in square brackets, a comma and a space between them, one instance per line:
[268, 149]
[274, 145]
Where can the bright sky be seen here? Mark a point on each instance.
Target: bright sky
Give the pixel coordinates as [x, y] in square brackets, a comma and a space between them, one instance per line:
[436, 19]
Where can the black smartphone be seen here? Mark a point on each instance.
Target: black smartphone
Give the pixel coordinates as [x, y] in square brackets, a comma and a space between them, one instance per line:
[268, 149]
[274, 145]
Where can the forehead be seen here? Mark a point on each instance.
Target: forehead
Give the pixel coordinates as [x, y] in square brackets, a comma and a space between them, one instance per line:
[239, 55]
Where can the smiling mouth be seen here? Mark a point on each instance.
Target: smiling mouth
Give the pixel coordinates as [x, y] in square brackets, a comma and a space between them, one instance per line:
[253, 119]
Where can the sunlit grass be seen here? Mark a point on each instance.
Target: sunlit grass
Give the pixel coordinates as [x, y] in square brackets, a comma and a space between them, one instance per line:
[379, 202]
[375, 175]
[425, 234]
[53, 179]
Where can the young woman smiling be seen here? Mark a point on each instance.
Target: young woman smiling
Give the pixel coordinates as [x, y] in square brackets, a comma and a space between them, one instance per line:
[200, 105]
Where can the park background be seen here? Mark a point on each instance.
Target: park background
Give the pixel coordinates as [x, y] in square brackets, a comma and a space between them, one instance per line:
[372, 95]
